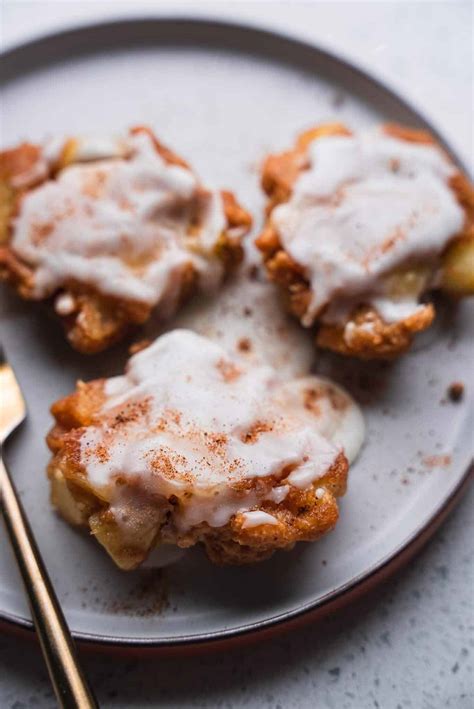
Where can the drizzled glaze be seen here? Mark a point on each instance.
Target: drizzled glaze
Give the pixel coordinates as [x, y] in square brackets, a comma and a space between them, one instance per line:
[366, 206]
[120, 220]
[188, 420]
[256, 518]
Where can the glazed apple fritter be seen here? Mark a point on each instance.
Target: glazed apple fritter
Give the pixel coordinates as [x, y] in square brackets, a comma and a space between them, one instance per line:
[192, 446]
[112, 230]
[360, 228]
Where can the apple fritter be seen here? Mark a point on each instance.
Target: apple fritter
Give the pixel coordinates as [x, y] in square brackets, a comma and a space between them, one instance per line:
[193, 446]
[112, 230]
[360, 228]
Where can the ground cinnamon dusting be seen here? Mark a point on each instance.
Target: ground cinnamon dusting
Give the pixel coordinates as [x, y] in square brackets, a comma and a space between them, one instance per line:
[162, 465]
[94, 184]
[132, 412]
[456, 391]
[228, 370]
[40, 232]
[253, 433]
[126, 205]
[338, 401]
[148, 598]
[310, 398]
[244, 344]
[253, 273]
[216, 442]
[437, 461]
[101, 452]
[387, 245]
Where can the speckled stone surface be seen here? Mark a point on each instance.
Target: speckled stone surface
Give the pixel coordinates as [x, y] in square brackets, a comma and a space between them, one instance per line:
[411, 643]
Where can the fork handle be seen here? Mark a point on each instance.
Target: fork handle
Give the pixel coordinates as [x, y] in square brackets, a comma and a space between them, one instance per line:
[70, 685]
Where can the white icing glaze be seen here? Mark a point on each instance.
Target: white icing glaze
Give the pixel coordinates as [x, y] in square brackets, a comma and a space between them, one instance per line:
[333, 413]
[393, 310]
[251, 310]
[256, 518]
[351, 327]
[278, 494]
[120, 225]
[64, 304]
[100, 148]
[320, 492]
[183, 420]
[366, 206]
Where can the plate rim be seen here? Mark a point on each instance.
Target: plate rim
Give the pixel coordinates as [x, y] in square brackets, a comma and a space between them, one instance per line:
[388, 564]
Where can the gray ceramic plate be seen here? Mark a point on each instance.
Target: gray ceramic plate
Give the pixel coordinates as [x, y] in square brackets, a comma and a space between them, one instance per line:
[224, 96]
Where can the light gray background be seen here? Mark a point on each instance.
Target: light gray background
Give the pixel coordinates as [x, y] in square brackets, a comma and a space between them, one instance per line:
[411, 643]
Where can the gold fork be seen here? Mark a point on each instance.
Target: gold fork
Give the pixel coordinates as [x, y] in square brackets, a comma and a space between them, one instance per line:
[55, 638]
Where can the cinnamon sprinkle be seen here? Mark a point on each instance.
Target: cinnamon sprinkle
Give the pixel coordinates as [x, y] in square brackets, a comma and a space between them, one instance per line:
[228, 370]
[244, 344]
